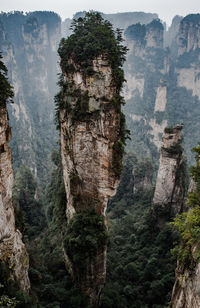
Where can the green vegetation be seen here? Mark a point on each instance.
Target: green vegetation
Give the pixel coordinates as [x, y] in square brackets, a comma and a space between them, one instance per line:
[191, 18]
[169, 130]
[174, 149]
[29, 213]
[85, 236]
[156, 24]
[136, 32]
[140, 267]
[6, 92]
[93, 37]
[188, 223]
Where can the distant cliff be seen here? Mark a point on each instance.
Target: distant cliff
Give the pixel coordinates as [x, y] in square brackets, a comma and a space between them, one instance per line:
[92, 131]
[29, 45]
[146, 71]
[118, 20]
[170, 183]
[163, 82]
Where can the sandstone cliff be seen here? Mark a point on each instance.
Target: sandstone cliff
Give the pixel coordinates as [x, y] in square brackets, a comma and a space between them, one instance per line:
[170, 183]
[186, 292]
[189, 34]
[92, 134]
[147, 70]
[12, 250]
[88, 141]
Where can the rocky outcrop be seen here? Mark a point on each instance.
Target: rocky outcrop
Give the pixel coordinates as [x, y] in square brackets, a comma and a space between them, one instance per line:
[154, 34]
[189, 34]
[170, 36]
[186, 291]
[92, 134]
[170, 183]
[90, 150]
[12, 250]
[87, 144]
[147, 70]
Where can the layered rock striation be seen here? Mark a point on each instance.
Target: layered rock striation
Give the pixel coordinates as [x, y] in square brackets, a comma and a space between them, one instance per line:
[89, 134]
[147, 70]
[92, 134]
[170, 184]
[186, 291]
[90, 149]
[189, 34]
[13, 254]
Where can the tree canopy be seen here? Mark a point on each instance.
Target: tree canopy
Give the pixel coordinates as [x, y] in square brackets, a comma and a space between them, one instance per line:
[93, 36]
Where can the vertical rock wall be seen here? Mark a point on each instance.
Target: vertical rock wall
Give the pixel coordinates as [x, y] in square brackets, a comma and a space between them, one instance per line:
[170, 183]
[12, 250]
[186, 290]
[90, 147]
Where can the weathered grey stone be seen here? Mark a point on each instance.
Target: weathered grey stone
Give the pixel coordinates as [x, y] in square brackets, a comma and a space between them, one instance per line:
[12, 249]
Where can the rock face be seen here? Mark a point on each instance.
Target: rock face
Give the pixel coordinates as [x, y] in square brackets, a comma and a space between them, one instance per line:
[189, 34]
[87, 145]
[163, 83]
[29, 47]
[12, 250]
[186, 291]
[90, 155]
[146, 70]
[170, 187]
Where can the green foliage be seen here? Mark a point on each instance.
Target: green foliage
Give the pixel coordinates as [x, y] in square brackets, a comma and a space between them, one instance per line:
[136, 32]
[81, 110]
[191, 18]
[169, 130]
[188, 59]
[174, 149]
[51, 284]
[92, 36]
[156, 24]
[10, 296]
[28, 208]
[188, 223]
[85, 236]
[6, 92]
[140, 268]
[118, 150]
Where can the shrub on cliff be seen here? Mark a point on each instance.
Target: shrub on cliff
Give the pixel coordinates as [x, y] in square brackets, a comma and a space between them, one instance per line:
[6, 92]
[188, 223]
[93, 36]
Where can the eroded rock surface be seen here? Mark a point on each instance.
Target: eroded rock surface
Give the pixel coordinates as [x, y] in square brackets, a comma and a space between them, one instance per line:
[90, 128]
[12, 250]
[170, 187]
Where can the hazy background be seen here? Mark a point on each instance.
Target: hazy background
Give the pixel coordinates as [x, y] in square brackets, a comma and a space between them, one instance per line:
[166, 9]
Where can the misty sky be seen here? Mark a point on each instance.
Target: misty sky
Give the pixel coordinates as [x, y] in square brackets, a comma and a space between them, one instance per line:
[166, 9]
